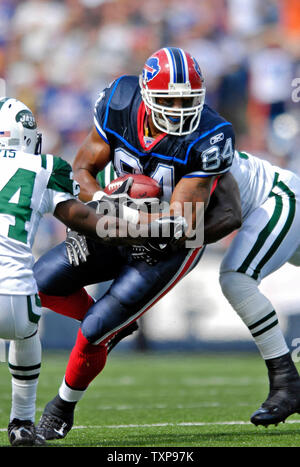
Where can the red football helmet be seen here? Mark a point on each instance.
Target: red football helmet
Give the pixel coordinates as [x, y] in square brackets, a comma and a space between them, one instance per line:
[171, 72]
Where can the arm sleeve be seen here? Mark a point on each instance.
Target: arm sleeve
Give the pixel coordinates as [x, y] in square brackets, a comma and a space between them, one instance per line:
[61, 185]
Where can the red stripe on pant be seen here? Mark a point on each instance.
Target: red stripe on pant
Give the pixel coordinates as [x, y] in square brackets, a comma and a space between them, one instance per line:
[184, 271]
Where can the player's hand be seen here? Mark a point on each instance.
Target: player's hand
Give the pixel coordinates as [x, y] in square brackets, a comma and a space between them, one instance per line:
[76, 243]
[120, 193]
[150, 253]
[77, 249]
[120, 197]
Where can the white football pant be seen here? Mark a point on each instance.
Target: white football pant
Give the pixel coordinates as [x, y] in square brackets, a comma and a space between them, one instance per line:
[268, 238]
[19, 316]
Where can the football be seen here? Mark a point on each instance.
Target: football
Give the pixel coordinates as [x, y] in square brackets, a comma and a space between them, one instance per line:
[142, 186]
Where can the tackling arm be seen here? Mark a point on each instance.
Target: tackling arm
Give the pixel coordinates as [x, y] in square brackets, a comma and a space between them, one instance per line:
[223, 214]
[78, 217]
[222, 209]
[189, 199]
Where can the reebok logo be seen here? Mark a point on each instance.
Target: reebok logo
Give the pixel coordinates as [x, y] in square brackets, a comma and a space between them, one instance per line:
[217, 138]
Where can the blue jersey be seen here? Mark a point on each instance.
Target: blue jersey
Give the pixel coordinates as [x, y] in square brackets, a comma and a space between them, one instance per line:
[119, 119]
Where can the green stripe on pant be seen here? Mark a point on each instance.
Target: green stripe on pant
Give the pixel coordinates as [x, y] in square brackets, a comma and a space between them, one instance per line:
[267, 230]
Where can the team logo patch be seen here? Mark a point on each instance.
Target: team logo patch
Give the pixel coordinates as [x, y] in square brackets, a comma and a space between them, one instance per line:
[151, 69]
[27, 119]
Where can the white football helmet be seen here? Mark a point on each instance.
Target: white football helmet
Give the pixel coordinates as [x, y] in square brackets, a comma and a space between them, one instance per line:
[18, 128]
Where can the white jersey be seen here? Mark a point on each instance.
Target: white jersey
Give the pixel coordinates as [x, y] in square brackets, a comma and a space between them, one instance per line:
[255, 178]
[30, 186]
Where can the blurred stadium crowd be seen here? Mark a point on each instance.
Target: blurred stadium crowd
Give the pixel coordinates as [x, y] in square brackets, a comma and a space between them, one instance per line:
[56, 56]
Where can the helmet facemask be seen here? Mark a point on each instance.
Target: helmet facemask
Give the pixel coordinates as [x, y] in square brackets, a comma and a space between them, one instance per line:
[185, 119]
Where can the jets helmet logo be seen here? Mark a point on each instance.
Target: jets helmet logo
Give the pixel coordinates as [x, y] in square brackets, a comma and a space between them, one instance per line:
[27, 119]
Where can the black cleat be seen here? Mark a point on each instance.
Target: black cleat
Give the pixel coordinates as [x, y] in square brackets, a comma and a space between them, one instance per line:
[54, 423]
[23, 433]
[284, 396]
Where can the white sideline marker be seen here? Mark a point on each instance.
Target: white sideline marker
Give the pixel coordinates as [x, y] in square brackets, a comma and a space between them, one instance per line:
[150, 425]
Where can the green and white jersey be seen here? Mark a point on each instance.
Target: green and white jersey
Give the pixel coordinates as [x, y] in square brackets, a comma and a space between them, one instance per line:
[269, 235]
[255, 178]
[30, 186]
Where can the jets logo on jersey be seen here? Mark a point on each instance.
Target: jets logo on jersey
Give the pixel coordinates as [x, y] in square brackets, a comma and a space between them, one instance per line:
[151, 69]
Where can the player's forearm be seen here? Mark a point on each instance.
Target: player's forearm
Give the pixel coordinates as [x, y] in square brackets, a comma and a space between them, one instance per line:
[116, 231]
[88, 184]
[228, 223]
[181, 216]
[224, 214]
[79, 217]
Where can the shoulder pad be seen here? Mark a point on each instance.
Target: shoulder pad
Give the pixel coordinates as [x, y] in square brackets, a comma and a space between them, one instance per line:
[212, 152]
[123, 91]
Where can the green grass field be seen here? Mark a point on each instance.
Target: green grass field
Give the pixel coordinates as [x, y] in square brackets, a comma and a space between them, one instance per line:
[163, 401]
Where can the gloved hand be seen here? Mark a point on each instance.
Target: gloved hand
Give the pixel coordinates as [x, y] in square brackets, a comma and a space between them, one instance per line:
[122, 191]
[77, 249]
[119, 200]
[150, 253]
[76, 243]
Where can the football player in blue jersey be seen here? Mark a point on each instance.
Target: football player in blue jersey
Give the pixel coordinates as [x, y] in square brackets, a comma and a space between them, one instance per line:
[157, 125]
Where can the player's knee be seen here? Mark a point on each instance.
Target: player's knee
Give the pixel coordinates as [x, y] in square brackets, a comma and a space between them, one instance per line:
[237, 287]
[11, 330]
[104, 317]
[92, 327]
[17, 325]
